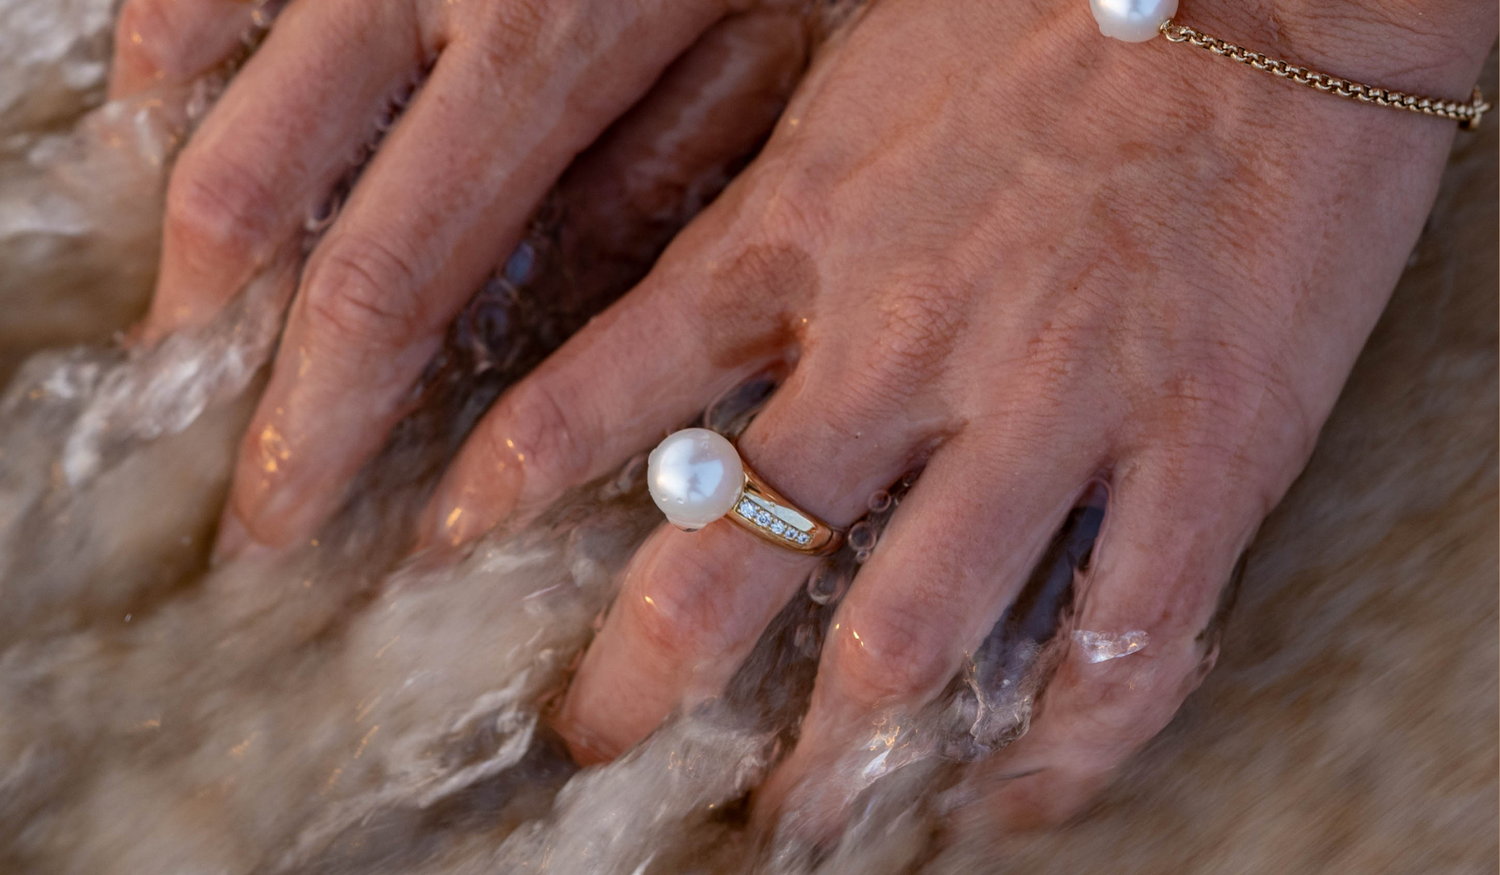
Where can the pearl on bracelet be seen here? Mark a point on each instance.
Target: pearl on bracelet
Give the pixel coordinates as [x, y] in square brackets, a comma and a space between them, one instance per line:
[694, 476]
[1133, 21]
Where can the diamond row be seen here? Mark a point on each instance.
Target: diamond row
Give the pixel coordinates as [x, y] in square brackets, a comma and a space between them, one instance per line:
[766, 520]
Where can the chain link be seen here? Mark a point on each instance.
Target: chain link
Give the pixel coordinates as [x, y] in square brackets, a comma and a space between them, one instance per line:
[1466, 114]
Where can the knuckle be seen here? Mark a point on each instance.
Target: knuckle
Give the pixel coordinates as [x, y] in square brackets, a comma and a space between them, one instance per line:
[918, 324]
[1232, 382]
[676, 609]
[797, 209]
[1213, 429]
[1210, 390]
[524, 19]
[841, 412]
[777, 275]
[543, 435]
[218, 203]
[896, 655]
[1226, 410]
[786, 201]
[512, 30]
[757, 265]
[363, 293]
[1117, 705]
[1056, 351]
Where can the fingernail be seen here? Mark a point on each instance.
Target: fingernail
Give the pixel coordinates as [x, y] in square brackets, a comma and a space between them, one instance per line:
[585, 748]
[234, 541]
[463, 509]
[454, 519]
[585, 754]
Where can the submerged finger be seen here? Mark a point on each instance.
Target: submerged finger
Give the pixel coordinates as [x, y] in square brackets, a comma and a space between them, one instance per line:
[956, 554]
[1145, 635]
[269, 154]
[580, 414]
[509, 104]
[692, 606]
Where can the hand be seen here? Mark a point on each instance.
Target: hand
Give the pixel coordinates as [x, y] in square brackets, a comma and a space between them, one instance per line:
[511, 91]
[985, 239]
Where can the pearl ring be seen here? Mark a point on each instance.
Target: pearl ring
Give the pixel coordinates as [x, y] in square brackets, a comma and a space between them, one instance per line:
[696, 476]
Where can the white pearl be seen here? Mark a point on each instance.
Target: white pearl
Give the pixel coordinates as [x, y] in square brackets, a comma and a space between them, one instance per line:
[1133, 21]
[694, 475]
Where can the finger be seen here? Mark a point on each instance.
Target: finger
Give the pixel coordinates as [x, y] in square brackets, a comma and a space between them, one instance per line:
[675, 150]
[171, 42]
[956, 554]
[1176, 527]
[692, 606]
[274, 147]
[578, 415]
[510, 103]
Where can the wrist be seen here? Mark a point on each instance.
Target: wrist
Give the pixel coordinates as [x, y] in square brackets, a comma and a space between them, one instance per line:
[1430, 49]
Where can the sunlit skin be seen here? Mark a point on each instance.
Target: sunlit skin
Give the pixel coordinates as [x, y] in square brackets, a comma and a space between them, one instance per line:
[982, 238]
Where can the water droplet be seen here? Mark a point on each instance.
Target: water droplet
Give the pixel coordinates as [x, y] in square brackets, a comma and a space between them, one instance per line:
[387, 119]
[880, 501]
[320, 219]
[862, 537]
[629, 475]
[826, 584]
[520, 265]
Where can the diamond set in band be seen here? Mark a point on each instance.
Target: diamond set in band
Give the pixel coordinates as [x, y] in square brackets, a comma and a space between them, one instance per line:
[696, 476]
[763, 518]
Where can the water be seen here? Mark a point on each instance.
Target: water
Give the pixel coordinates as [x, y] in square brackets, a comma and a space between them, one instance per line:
[345, 708]
[342, 708]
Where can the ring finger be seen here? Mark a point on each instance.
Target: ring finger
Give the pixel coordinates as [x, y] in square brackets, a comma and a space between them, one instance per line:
[692, 606]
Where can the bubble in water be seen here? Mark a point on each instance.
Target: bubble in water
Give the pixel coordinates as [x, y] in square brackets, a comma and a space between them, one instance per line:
[521, 264]
[826, 584]
[862, 537]
[323, 217]
[359, 156]
[265, 12]
[203, 94]
[631, 475]
[387, 119]
[418, 719]
[879, 502]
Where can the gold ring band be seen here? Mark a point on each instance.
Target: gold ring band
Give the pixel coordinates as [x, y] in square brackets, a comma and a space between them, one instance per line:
[765, 512]
[697, 476]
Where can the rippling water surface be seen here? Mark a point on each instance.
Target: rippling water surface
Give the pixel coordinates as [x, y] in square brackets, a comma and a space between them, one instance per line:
[345, 709]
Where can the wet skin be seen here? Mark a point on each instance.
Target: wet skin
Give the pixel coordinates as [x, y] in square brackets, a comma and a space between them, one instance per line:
[982, 238]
